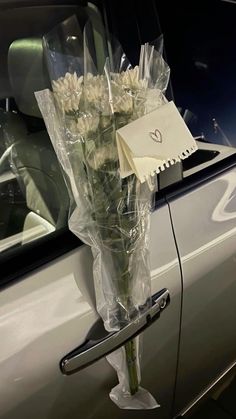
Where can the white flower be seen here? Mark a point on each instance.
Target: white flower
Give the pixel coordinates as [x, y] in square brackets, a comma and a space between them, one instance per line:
[129, 79]
[68, 91]
[96, 93]
[123, 103]
[86, 124]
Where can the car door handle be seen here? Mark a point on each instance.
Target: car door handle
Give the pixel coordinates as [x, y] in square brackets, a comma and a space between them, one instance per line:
[104, 343]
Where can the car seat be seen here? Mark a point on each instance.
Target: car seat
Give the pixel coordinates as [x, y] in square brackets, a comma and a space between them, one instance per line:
[31, 154]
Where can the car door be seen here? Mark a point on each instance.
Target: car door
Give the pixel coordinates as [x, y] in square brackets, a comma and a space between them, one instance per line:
[203, 205]
[204, 214]
[49, 312]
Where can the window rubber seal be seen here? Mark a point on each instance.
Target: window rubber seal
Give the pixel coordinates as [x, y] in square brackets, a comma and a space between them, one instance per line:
[197, 179]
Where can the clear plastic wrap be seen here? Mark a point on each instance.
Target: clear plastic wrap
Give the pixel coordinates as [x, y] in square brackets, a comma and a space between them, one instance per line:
[110, 214]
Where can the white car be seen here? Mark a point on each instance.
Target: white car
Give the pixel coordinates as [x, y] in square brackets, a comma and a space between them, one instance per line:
[53, 345]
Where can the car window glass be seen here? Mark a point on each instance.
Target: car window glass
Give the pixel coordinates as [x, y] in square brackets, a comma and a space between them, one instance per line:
[34, 200]
[199, 48]
[200, 45]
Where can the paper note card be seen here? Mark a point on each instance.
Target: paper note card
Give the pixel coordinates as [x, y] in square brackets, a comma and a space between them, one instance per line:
[154, 142]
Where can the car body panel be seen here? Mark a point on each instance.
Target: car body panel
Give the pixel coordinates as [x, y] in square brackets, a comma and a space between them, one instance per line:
[49, 312]
[204, 221]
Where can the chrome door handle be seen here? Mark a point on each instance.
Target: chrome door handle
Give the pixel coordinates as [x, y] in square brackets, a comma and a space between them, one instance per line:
[97, 347]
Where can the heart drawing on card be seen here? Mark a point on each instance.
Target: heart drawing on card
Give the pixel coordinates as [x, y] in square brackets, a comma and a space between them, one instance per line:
[156, 136]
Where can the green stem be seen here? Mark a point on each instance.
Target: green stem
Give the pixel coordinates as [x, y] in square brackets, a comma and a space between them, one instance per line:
[131, 360]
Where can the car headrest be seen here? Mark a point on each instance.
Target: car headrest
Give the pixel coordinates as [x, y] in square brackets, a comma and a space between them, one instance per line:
[27, 73]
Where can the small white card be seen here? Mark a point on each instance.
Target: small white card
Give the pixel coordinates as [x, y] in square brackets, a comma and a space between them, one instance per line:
[154, 142]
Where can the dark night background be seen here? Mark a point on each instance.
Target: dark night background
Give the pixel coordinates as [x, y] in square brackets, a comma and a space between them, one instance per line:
[200, 47]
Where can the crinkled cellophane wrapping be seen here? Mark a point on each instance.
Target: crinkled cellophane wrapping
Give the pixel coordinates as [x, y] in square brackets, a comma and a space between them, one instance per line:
[110, 214]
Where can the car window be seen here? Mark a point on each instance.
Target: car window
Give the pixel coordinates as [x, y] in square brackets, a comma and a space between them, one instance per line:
[200, 45]
[199, 48]
[34, 200]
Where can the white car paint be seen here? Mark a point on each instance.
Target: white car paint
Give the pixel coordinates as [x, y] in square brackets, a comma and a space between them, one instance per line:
[49, 312]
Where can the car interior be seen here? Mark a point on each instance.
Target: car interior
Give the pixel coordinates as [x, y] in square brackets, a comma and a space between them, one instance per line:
[33, 196]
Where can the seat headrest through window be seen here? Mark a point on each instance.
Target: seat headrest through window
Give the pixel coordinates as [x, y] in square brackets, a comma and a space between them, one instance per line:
[27, 73]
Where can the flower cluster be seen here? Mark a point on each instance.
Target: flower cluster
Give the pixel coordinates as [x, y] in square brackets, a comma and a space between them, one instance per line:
[78, 94]
[130, 80]
[68, 92]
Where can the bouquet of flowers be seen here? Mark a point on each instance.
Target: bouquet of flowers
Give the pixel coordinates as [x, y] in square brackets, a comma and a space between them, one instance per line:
[110, 213]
